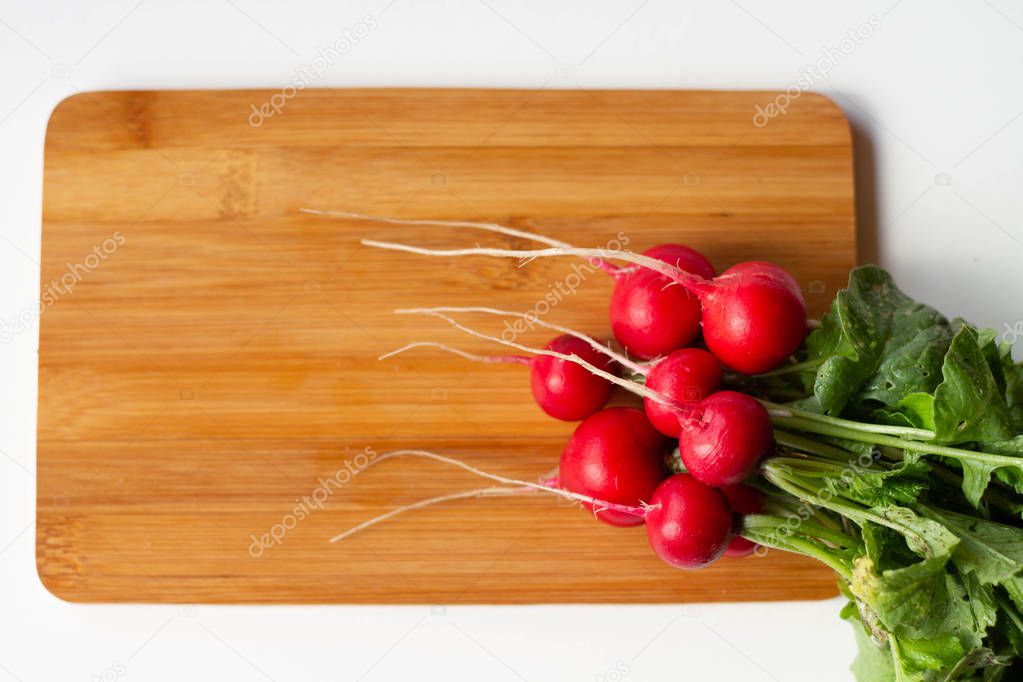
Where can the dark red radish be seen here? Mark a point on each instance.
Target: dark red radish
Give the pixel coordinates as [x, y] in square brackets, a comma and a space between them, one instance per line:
[651, 315]
[743, 499]
[565, 390]
[754, 317]
[686, 375]
[689, 524]
[614, 455]
[724, 437]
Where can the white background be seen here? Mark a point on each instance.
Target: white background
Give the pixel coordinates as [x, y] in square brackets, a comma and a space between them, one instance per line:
[935, 97]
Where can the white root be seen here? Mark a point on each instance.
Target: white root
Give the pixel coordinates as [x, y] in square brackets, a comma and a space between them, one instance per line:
[489, 227]
[620, 358]
[494, 359]
[692, 282]
[520, 487]
[479, 492]
[613, 270]
[631, 386]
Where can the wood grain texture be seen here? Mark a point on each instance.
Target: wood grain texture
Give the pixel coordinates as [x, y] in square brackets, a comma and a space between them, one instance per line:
[211, 358]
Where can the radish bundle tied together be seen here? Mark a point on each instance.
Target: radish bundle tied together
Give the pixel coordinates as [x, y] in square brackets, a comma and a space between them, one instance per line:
[887, 445]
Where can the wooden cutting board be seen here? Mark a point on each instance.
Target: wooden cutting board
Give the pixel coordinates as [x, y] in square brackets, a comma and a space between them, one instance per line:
[208, 354]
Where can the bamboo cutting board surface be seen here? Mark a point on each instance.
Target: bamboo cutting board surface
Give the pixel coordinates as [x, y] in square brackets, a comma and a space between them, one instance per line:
[207, 359]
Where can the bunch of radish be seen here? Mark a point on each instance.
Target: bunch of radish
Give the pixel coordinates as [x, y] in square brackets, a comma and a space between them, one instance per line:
[750, 319]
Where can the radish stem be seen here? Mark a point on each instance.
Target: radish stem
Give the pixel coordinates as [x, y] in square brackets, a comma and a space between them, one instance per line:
[786, 411]
[788, 369]
[865, 436]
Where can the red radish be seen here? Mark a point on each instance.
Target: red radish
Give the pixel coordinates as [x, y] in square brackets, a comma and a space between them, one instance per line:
[689, 524]
[614, 455]
[743, 499]
[685, 376]
[724, 437]
[650, 315]
[566, 390]
[754, 317]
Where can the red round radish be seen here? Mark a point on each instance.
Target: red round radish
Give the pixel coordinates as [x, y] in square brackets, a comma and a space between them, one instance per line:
[652, 316]
[754, 317]
[724, 437]
[689, 524]
[684, 376]
[743, 499]
[565, 390]
[614, 455]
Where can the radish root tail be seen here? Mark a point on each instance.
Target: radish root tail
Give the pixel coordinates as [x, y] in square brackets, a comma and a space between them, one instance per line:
[494, 359]
[622, 359]
[478, 492]
[516, 486]
[609, 268]
[691, 282]
[632, 386]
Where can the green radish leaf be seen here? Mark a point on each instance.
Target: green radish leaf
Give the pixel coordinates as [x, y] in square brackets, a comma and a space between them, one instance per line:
[877, 342]
[1008, 374]
[927, 537]
[991, 551]
[886, 548]
[1013, 376]
[976, 477]
[878, 487]
[968, 405]
[921, 601]
[1014, 588]
[913, 356]
[917, 656]
[981, 598]
[919, 407]
[1013, 446]
[981, 659]
[1010, 624]
[1010, 476]
[873, 661]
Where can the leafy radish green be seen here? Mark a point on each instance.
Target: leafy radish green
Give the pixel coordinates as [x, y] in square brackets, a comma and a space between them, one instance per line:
[875, 344]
